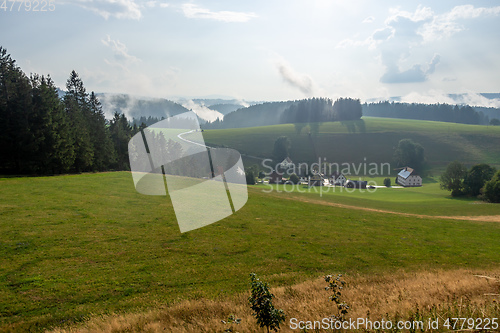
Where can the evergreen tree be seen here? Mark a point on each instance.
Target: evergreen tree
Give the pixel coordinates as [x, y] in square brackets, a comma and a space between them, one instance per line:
[78, 110]
[17, 142]
[104, 152]
[121, 133]
[55, 152]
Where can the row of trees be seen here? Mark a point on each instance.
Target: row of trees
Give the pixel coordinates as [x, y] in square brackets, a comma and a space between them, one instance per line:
[435, 112]
[41, 133]
[316, 110]
[482, 180]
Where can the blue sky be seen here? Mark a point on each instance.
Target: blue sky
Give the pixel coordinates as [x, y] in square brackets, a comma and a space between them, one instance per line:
[264, 50]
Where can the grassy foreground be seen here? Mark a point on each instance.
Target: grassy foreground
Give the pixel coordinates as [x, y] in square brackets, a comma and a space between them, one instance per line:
[81, 245]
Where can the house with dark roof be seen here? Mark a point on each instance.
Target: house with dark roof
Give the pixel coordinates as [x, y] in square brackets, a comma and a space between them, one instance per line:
[317, 180]
[356, 183]
[275, 177]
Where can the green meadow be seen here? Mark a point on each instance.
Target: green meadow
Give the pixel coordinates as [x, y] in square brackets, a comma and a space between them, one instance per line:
[77, 246]
[443, 142]
[426, 200]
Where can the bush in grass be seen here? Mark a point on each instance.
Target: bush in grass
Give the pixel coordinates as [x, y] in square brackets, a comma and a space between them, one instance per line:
[453, 178]
[491, 190]
[335, 286]
[387, 182]
[250, 177]
[294, 179]
[261, 303]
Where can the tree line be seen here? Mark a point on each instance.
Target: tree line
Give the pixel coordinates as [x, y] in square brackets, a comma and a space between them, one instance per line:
[435, 112]
[321, 110]
[41, 133]
[306, 111]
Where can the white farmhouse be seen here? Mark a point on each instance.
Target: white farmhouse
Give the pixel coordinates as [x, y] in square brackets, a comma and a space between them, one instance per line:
[408, 178]
[287, 163]
[338, 178]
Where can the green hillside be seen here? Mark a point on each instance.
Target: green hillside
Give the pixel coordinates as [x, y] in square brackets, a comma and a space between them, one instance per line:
[443, 142]
[82, 245]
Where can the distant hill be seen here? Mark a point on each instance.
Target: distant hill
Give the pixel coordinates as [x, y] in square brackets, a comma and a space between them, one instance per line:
[443, 142]
[268, 113]
[273, 113]
[226, 108]
[135, 107]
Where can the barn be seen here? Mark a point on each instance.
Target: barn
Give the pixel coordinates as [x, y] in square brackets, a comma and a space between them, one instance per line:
[407, 177]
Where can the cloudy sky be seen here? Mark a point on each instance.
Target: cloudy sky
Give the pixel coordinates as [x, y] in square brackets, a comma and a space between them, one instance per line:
[262, 50]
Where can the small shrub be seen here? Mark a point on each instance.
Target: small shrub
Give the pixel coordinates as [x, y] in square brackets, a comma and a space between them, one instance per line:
[294, 179]
[261, 303]
[230, 321]
[336, 285]
[387, 182]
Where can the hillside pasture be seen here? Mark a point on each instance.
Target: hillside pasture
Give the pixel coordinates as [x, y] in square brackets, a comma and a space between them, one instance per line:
[78, 246]
[443, 142]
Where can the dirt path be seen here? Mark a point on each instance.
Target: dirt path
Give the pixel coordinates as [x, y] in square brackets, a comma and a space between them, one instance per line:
[486, 218]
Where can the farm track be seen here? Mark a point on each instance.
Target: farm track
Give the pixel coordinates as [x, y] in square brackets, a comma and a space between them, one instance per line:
[484, 218]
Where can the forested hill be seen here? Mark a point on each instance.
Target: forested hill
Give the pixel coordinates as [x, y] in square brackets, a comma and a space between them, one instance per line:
[256, 115]
[324, 109]
[138, 107]
[311, 110]
[463, 114]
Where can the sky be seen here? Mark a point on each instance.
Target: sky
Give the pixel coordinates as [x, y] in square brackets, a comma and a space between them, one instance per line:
[263, 50]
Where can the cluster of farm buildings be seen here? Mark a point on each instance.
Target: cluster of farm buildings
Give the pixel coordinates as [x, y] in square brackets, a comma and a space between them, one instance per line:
[407, 177]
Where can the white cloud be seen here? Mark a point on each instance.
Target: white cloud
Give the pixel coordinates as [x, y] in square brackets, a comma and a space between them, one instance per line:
[369, 19]
[194, 11]
[437, 96]
[303, 82]
[420, 14]
[121, 9]
[448, 24]
[404, 31]
[202, 111]
[122, 58]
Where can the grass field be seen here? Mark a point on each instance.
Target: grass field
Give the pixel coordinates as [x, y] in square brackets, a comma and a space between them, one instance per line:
[443, 142]
[82, 245]
[426, 200]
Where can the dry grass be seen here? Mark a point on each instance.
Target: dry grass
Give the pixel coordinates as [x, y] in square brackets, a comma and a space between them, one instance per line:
[446, 291]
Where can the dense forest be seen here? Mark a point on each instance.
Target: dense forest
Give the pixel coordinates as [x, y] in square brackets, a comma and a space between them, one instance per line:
[311, 110]
[41, 133]
[436, 112]
[345, 109]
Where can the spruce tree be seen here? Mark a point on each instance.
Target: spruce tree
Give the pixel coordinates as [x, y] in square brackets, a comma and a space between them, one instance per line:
[17, 142]
[104, 152]
[78, 110]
